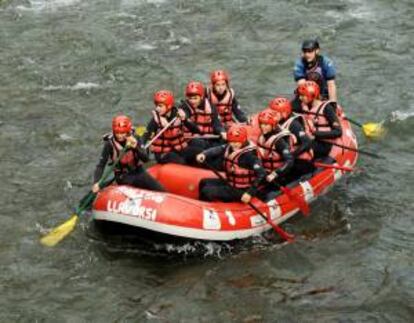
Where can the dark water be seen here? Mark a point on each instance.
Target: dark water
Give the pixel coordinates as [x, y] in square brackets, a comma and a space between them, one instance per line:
[67, 66]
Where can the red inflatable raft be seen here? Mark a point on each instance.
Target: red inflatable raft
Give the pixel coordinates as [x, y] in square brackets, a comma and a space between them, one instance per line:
[180, 214]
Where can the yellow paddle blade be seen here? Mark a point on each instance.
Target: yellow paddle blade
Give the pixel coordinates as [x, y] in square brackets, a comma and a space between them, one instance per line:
[373, 130]
[59, 233]
[140, 130]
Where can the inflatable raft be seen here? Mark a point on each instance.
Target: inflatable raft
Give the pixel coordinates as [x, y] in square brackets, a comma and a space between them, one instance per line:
[179, 213]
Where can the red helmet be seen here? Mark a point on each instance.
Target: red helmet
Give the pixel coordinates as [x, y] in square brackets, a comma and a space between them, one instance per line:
[237, 133]
[269, 117]
[310, 89]
[219, 75]
[281, 105]
[165, 97]
[194, 88]
[121, 124]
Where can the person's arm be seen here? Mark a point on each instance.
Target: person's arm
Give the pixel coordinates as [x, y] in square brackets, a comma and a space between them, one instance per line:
[336, 129]
[282, 147]
[238, 112]
[299, 72]
[251, 161]
[218, 128]
[304, 142]
[330, 74]
[332, 90]
[105, 155]
[152, 128]
[214, 151]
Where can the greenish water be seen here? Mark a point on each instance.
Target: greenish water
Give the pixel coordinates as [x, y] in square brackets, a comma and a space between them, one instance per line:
[68, 66]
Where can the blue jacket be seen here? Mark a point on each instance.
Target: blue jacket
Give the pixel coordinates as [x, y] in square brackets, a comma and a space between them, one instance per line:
[323, 71]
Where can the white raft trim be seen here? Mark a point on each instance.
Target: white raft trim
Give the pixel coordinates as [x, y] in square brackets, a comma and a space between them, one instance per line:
[187, 232]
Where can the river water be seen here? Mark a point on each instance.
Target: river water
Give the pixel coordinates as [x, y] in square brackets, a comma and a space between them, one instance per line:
[68, 66]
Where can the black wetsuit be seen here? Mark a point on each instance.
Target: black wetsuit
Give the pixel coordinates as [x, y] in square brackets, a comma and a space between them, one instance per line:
[137, 176]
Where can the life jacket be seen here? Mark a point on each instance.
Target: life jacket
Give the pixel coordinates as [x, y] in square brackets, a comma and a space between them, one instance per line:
[224, 106]
[293, 141]
[318, 122]
[128, 161]
[202, 117]
[270, 158]
[171, 139]
[238, 176]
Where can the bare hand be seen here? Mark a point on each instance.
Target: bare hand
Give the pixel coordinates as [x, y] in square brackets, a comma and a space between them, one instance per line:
[181, 114]
[224, 135]
[95, 188]
[271, 177]
[201, 158]
[246, 198]
[131, 142]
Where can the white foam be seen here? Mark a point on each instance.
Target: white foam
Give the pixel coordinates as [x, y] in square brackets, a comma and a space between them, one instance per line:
[47, 5]
[76, 87]
[401, 116]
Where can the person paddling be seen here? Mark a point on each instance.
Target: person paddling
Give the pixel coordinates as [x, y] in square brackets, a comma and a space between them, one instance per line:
[322, 115]
[242, 167]
[171, 146]
[223, 97]
[129, 170]
[297, 125]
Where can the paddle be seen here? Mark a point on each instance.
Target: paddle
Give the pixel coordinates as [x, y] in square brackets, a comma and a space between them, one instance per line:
[371, 130]
[360, 151]
[282, 233]
[59, 233]
[344, 168]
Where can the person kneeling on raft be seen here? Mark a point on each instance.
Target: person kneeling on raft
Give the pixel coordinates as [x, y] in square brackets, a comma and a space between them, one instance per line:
[129, 170]
[274, 150]
[323, 118]
[242, 168]
[171, 146]
[300, 142]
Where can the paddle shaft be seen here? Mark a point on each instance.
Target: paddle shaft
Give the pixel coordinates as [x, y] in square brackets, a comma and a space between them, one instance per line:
[346, 118]
[364, 152]
[278, 229]
[148, 144]
[344, 168]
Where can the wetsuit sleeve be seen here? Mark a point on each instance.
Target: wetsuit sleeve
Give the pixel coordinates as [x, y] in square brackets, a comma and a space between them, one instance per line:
[238, 112]
[328, 68]
[251, 161]
[282, 147]
[191, 126]
[184, 106]
[217, 126]
[152, 128]
[215, 151]
[299, 70]
[105, 155]
[334, 123]
[304, 141]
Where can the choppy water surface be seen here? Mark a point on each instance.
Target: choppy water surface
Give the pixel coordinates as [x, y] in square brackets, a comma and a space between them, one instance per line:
[68, 66]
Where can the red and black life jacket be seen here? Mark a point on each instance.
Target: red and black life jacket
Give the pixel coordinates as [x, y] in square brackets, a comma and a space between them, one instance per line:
[202, 117]
[293, 141]
[238, 176]
[172, 138]
[224, 106]
[270, 158]
[128, 161]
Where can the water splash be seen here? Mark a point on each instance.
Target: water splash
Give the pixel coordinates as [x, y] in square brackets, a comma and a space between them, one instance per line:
[78, 86]
[400, 116]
